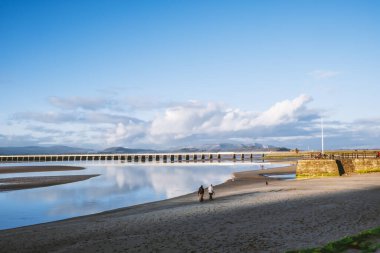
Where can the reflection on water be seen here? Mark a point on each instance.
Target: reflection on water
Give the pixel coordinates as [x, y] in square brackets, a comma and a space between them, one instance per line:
[119, 185]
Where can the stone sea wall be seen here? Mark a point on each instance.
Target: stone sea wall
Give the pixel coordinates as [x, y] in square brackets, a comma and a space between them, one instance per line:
[331, 167]
[322, 167]
[366, 165]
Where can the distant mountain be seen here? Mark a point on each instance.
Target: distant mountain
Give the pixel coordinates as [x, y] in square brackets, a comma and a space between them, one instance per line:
[36, 150]
[120, 150]
[225, 147]
[222, 147]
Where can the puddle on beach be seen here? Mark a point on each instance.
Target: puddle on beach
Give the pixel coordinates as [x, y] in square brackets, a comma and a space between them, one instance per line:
[281, 176]
[119, 185]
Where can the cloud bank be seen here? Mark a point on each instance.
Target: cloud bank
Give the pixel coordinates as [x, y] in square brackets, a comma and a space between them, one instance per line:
[97, 122]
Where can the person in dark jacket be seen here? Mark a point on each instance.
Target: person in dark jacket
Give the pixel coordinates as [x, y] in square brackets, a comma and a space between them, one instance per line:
[201, 192]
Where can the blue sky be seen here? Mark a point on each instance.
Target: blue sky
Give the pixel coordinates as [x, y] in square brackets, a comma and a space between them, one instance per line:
[180, 73]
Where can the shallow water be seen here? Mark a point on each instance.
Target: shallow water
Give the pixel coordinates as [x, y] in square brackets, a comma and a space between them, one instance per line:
[119, 185]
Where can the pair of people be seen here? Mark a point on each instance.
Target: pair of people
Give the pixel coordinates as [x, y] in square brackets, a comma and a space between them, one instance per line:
[201, 192]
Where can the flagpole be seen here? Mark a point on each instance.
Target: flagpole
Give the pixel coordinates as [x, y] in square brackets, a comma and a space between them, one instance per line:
[322, 135]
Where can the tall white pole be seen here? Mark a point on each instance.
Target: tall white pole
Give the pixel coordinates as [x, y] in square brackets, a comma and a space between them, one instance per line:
[322, 134]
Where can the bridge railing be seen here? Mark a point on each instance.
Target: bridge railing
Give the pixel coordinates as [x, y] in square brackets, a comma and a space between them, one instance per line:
[342, 155]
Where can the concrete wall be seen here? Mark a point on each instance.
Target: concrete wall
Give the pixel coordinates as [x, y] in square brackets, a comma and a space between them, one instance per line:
[366, 165]
[330, 167]
[322, 167]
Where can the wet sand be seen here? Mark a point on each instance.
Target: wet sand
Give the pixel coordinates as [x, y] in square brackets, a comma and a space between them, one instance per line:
[42, 168]
[20, 183]
[246, 216]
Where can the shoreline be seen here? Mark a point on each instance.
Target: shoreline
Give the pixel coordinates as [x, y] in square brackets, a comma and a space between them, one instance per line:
[246, 215]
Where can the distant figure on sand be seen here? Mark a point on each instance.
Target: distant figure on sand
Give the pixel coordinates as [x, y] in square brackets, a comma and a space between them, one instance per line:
[266, 182]
[201, 192]
[210, 192]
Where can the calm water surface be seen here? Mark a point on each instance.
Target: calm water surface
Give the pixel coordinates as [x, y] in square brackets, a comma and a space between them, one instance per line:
[119, 185]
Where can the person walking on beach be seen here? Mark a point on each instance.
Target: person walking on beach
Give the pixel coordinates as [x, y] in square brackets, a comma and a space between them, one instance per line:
[201, 192]
[210, 192]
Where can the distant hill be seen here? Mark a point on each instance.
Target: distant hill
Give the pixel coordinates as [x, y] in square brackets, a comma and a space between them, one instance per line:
[120, 150]
[225, 147]
[202, 148]
[37, 150]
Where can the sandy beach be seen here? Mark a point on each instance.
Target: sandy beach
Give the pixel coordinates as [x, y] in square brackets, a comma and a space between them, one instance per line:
[246, 216]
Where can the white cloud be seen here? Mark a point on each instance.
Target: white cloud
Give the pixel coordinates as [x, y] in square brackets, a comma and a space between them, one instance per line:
[126, 133]
[196, 118]
[284, 112]
[323, 74]
[185, 120]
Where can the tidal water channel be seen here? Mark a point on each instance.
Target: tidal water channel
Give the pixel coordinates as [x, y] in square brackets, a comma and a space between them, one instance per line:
[118, 185]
